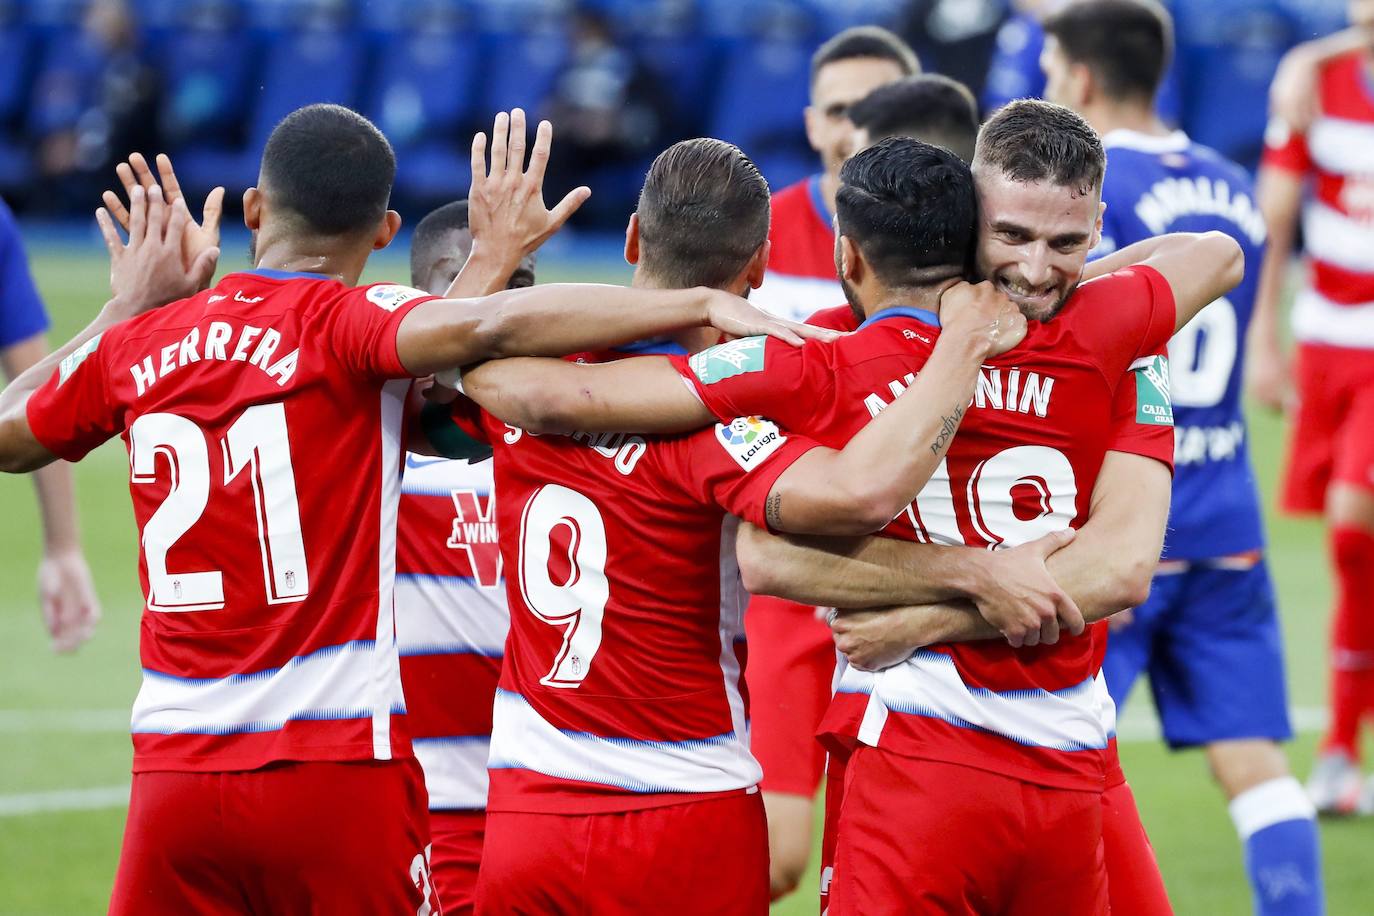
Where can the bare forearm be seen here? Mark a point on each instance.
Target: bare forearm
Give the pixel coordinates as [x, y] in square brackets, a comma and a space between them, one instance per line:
[57, 503]
[837, 492]
[486, 271]
[860, 572]
[551, 320]
[1280, 200]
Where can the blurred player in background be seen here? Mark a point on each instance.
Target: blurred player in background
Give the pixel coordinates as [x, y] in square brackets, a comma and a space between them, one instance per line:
[621, 776]
[801, 267]
[928, 107]
[1323, 175]
[1212, 619]
[270, 691]
[66, 595]
[794, 655]
[451, 614]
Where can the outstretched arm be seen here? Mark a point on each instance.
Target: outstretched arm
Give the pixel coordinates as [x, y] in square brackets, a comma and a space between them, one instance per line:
[1200, 267]
[1266, 368]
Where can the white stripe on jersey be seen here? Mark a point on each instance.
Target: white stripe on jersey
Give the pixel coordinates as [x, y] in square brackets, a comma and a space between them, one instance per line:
[1333, 237]
[1317, 319]
[334, 683]
[386, 670]
[449, 615]
[1341, 146]
[455, 771]
[733, 601]
[796, 298]
[522, 740]
[928, 684]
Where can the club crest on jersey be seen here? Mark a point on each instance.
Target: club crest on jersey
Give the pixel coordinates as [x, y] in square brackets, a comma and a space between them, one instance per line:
[1152, 404]
[749, 440]
[390, 297]
[728, 359]
[75, 358]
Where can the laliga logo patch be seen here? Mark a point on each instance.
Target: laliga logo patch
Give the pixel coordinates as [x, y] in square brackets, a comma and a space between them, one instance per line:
[390, 297]
[749, 440]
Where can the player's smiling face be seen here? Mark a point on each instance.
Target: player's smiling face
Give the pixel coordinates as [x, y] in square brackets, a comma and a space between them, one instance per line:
[838, 85]
[1034, 239]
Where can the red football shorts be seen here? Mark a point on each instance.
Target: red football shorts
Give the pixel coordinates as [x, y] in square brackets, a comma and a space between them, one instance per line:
[455, 853]
[791, 666]
[696, 857]
[309, 837]
[834, 797]
[1134, 884]
[1332, 437]
[920, 836]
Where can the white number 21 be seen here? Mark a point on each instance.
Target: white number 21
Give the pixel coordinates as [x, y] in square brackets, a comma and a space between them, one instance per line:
[256, 442]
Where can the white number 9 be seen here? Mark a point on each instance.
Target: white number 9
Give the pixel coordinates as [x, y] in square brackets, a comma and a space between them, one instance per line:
[579, 604]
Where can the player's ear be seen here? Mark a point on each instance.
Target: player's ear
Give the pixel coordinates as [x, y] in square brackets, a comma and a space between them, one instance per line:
[252, 209]
[1097, 226]
[812, 117]
[632, 240]
[391, 224]
[1083, 85]
[850, 261]
[758, 265]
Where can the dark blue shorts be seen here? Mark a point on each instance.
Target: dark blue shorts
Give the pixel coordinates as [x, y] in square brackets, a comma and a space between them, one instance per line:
[1209, 640]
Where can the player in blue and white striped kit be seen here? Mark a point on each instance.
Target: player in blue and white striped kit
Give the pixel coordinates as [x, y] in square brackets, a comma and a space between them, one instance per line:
[1209, 634]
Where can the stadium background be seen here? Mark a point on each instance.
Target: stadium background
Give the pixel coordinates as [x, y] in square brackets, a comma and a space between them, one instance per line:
[206, 79]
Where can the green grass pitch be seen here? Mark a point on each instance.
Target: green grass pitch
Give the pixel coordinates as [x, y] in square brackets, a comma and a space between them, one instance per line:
[62, 720]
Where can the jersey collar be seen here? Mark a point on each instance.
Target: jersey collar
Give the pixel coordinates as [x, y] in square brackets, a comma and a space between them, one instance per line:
[1121, 138]
[271, 274]
[658, 346]
[925, 316]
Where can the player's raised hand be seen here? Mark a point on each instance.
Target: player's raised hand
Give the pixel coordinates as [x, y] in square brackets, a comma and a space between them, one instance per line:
[506, 208]
[67, 598]
[147, 271]
[983, 313]
[735, 317]
[1017, 595]
[198, 237]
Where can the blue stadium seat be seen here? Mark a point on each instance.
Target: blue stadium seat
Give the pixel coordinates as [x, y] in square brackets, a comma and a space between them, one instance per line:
[66, 82]
[683, 62]
[206, 75]
[297, 69]
[520, 69]
[763, 88]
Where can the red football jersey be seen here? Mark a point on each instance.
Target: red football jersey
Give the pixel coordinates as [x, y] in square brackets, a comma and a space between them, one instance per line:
[451, 622]
[1336, 305]
[263, 423]
[1023, 464]
[622, 684]
[801, 263]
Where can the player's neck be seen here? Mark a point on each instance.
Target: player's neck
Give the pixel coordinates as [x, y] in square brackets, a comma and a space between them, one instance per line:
[690, 339]
[926, 298]
[311, 256]
[1140, 119]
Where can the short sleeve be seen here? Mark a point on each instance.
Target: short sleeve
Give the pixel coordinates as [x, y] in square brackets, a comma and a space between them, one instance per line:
[21, 310]
[1285, 148]
[1142, 412]
[757, 376]
[70, 414]
[1123, 316]
[734, 465]
[363, 325]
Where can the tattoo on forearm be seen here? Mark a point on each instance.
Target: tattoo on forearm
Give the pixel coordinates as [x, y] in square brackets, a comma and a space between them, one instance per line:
[772, 510]
[948, 424]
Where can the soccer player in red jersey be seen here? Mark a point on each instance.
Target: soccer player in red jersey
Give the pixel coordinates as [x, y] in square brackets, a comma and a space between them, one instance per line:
[271, 684]
[451, 612]
[974, 732]
[1319, 174]
[801, 267]
[620, 768]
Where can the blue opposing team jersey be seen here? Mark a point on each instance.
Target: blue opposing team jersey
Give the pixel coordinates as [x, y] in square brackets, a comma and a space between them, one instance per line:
[1156, 185]
[21, 311]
